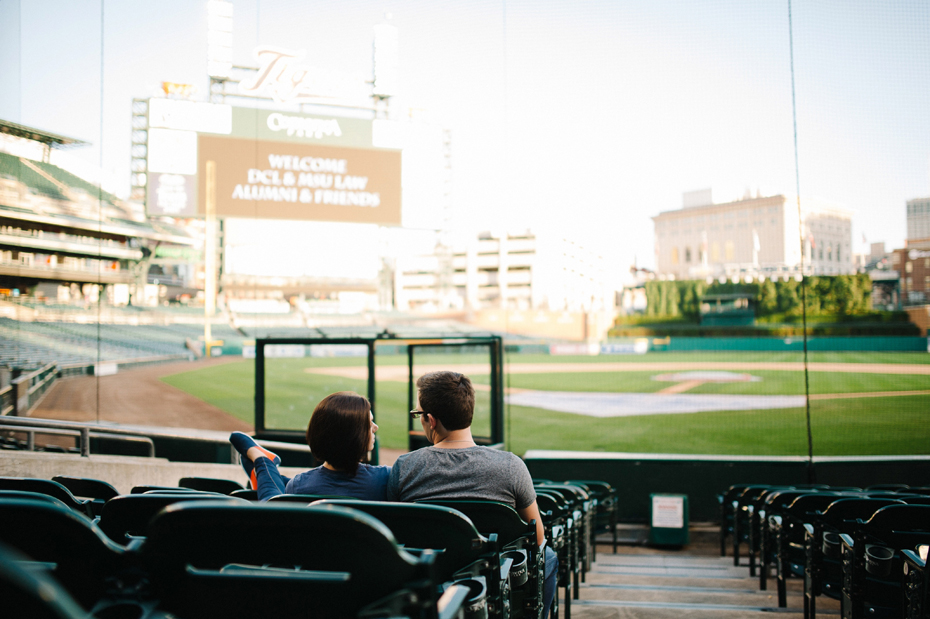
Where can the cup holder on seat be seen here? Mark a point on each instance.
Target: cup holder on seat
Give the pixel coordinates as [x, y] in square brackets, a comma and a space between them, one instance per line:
[518, 569]
[476, 604]
[831, 545]
[878, 560]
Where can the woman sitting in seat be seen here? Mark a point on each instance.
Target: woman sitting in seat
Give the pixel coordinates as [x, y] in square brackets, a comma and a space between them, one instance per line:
[341, 432]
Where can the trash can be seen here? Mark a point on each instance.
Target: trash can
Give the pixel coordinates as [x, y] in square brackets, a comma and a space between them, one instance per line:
[668, 521]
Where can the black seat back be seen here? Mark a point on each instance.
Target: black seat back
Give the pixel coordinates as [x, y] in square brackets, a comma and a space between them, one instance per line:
[27, 593]
[84, 557]
[346, 560]
[49, 487]
[210, 484]
[129, 515]
[418, 525]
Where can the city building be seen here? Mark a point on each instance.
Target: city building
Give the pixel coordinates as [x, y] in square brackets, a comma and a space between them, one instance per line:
[918, 219]
[518, 271]
[751, 237]
[913, 265]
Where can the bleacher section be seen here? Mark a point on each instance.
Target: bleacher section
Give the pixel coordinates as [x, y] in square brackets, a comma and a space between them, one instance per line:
[35, 344]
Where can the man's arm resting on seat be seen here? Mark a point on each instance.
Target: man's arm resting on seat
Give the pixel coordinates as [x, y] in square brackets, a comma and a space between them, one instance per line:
[531, 512]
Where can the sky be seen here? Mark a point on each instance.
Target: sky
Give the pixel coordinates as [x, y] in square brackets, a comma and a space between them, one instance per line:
[585, 117]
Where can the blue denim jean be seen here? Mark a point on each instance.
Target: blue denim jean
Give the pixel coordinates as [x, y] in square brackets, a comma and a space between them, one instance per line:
[549, 583]
[269, 481]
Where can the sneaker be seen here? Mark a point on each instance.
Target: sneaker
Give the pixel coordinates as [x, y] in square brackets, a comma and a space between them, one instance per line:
[243, 442]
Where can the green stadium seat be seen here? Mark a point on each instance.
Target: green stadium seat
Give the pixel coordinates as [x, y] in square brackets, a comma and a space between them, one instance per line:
[144, 489]
[207, 559]
[97, 491]
[27, 593]
[873, 563]
[306, 499]
[248, 495]
[210, 484]
[127, 517]
[85, 561]
[49, 487]
[561, 532]
[461, 550]
[823, 571]
[916, 582]
[786, 532]
[605, 521]
[513, 533]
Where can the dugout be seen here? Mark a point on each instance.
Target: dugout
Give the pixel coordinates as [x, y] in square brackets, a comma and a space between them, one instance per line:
[293, 374]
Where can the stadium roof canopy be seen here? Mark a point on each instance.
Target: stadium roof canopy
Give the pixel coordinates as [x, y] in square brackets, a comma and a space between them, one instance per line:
[29, 133]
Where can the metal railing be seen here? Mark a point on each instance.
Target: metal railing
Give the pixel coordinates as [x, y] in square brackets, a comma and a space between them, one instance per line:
[82, 431]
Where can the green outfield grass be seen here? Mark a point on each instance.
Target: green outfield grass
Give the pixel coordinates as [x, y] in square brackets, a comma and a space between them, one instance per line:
[861, 426]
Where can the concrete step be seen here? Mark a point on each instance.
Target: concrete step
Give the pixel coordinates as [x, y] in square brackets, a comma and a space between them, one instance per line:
[691, 582]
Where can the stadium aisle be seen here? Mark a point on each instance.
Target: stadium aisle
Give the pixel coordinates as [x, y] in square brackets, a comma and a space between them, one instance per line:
[694, 582]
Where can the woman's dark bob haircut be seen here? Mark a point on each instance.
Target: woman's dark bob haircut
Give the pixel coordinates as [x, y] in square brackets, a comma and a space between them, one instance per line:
[339, 430]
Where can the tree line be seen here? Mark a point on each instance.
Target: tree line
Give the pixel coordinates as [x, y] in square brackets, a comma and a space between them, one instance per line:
[834, 295]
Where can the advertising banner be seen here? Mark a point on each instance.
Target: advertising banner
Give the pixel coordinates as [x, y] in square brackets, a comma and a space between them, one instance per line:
[301, 181]
[172, 195]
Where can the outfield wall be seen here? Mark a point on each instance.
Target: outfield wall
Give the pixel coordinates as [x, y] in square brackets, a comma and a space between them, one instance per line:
[795, 344]
[636, 476]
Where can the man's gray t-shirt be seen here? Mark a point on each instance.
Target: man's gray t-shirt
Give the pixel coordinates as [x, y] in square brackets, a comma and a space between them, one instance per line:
[477, 473]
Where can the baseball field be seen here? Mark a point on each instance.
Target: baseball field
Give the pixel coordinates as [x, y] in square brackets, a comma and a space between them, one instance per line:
[688, 403]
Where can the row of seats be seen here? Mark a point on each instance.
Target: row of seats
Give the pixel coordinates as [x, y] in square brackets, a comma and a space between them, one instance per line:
[866, 547]
[194, 552]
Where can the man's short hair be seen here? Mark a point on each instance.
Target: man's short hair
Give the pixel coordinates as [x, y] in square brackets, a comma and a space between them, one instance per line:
[449, 397]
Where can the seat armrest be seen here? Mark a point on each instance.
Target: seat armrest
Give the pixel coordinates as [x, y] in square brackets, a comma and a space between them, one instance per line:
[451, 601]
[913, 558]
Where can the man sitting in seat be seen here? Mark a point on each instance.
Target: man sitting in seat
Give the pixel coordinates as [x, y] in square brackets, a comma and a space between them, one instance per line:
[455, 467]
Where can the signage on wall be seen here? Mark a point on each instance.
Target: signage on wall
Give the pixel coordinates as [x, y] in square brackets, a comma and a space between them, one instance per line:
[284, 180]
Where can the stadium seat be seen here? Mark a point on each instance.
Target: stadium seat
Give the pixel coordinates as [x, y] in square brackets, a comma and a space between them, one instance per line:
[306, 499]
[513, 533]
[86, 562]
[27, 593]
[210, 484]
[916, 582]
[823, 570]
[97, 491]
[605, 520]
[249, 495]
[461, 550]
[206, 560]
[584, 508]
[560, 532]
[49, 487]
[786, 533]
[765, 511]
[144, 489]
[36, 496]
[873, 563]
[127, 517]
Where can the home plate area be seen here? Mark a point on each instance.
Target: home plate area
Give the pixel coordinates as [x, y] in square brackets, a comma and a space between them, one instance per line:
[667, 401]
